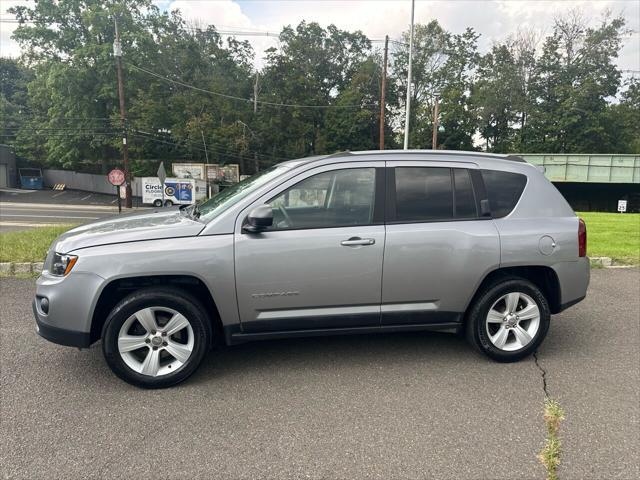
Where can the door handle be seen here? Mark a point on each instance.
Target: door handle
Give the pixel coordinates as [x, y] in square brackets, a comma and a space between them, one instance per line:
[357, 241]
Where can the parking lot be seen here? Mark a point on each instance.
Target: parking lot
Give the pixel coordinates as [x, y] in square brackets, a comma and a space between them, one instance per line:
[418, 405]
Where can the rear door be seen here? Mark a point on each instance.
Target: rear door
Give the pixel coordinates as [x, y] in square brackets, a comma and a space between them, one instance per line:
[438, 246]
[320, 265]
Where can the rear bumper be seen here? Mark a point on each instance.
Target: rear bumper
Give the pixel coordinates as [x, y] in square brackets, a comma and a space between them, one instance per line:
[574, 280]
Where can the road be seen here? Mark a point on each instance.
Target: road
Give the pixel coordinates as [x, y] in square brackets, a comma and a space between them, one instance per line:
[380, 406]
[21, 209]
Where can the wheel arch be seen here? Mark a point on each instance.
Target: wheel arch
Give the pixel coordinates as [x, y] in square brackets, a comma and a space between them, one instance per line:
[545, 278]
[117, 289]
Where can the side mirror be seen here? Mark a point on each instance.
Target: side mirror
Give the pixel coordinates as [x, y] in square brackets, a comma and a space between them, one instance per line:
[485, 210]
[259, 219]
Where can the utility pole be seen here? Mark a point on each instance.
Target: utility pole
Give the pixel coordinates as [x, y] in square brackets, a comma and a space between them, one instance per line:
[255, 94]
[206, 170]
[117, 52]
[408, 109]
[383, 89]
[434, 138]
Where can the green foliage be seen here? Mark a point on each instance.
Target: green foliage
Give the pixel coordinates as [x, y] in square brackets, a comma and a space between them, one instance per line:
[59, 102]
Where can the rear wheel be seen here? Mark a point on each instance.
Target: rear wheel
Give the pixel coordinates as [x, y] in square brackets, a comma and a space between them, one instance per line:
[156, 337]
[168, 203]
[509, 320]
[157, 203]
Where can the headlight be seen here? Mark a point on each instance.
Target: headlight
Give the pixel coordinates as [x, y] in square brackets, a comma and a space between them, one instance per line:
[62, 264]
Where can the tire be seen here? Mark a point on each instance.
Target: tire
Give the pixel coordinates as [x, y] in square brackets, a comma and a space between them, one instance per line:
[149, 357]
[157, 203]
[168, 203]
[490, 316]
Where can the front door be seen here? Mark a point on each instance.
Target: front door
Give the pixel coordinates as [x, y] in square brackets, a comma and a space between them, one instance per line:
[320, 265]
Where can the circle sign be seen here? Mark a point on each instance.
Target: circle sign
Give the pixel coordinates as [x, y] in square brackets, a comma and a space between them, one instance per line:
[116, 177]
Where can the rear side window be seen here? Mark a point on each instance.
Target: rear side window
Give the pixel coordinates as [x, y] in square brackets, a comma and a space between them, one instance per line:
[465, 198]
[423, 194]
[504, 190]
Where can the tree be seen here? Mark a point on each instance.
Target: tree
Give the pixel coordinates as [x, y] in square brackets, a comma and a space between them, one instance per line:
[574, 78]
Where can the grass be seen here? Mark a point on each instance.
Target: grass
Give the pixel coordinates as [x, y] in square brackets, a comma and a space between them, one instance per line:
[28, 245]
[615, 235]
[550, 454]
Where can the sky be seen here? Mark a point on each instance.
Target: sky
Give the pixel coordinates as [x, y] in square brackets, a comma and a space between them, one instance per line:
[493, 19]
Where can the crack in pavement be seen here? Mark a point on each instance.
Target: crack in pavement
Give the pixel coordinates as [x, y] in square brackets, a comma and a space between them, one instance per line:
[543, 372]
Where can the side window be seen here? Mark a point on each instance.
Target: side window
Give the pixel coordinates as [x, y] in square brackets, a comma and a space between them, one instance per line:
[504, 190]
[329, 199]
[465, 197]
[423, 194]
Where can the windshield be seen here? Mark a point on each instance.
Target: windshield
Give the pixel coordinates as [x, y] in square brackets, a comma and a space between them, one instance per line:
[233, 194]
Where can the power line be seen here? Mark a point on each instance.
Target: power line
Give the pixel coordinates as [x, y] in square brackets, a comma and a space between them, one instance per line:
[217, 149]
[233, 97]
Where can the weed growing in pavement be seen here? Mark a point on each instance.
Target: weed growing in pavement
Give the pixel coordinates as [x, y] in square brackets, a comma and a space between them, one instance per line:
[550, 454]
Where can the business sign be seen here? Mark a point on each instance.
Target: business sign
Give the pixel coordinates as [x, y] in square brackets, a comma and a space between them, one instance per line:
[189, 170]
[116, 177]
[229, 173]
[622, 206]
[212, 171]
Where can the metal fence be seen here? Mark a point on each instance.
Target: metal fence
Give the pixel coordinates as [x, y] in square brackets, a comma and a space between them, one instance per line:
[86, 181]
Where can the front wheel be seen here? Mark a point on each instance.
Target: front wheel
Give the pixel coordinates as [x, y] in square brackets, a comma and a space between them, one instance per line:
[168, 203]
[156, 337]
[157, 203]
[509, 320]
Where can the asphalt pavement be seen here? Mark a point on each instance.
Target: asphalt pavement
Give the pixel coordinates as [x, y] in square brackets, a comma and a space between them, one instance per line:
[23, 209]
[409, 405]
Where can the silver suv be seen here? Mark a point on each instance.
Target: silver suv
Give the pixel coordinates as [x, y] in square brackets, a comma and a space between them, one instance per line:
[355, 242]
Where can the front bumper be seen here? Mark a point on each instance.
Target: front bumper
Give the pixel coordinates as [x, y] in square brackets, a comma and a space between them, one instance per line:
[61, 336]
[71, 304]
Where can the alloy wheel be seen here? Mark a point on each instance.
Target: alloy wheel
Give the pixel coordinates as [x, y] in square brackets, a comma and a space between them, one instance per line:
[156, 341]
[513, 321]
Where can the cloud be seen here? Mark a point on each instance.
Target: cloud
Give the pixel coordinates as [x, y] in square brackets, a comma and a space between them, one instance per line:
[493, 19]
[8, 47]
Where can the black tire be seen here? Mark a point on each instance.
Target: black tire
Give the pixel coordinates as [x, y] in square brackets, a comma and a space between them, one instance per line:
[476, 330]
[175, 299]
[168, 203]
[157, 203]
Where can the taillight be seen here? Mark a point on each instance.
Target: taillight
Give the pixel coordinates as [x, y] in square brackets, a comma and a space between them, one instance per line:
[582, 238]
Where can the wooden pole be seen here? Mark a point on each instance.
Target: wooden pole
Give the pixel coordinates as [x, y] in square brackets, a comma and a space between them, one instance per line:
[123, 119]
[434, 140]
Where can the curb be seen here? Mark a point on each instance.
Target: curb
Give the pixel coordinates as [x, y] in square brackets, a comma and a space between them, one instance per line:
[11, 268]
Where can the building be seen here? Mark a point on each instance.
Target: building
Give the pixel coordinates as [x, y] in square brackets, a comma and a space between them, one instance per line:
[8, 171]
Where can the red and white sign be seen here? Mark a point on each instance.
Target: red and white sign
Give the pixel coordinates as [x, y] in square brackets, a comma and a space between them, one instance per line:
[116, 177]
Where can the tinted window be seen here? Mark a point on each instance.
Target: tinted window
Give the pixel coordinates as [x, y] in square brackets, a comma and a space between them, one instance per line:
[504, 190]
[465, 198]
[423, 194]
[329, 199]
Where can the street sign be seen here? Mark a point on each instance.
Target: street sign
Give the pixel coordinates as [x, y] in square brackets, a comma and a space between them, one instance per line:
[622, 206]
[162, 173]
[116, 177]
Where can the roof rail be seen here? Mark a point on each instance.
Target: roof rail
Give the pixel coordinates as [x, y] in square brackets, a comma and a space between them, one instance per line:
[513, 158]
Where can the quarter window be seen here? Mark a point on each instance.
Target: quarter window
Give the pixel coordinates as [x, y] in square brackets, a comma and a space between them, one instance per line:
[504, 190]
[329, 199]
